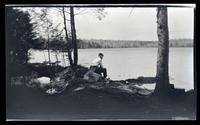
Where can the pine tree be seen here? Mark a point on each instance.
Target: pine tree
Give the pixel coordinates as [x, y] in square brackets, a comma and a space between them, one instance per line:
[19, 35]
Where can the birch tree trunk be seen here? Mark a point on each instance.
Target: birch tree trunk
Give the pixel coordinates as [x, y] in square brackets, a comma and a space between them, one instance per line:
[162, 74]
[73, 32]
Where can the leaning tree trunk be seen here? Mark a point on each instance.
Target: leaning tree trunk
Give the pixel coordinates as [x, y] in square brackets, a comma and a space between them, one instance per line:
[67, 38]
[73, 32]
[48, 46]
[48, 50]
[162, 74]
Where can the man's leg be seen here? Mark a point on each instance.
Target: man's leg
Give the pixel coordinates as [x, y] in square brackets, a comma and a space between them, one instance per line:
[104, 70]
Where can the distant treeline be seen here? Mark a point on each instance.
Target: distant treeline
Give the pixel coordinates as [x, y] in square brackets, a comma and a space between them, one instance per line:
[99, 43]
[60, 44]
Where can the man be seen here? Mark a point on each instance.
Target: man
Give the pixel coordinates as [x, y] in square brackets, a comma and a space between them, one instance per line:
[97, 66]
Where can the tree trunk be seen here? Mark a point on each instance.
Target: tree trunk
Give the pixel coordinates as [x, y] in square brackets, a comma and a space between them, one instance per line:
[195, 70]
[26, 60]
[56, 56]
[63, 56]
[162, 74]
[73, 32]
[67, 39]
[48, 49]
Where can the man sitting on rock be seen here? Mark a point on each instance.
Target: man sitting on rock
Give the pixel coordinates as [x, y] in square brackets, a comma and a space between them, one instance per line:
[97, 66]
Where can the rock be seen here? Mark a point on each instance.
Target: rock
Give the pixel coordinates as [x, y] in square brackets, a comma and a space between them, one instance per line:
[96, 87]
[33, 83]
[92, 76]
[44, 80]
[127, 89]
[17, 80]
[51, 91]
[78, 89]
[144, 92]
[133, 81]
[147, 79]
[142, 80]
[59, 84]
[80, 72]
[66, 74]
[178, 91]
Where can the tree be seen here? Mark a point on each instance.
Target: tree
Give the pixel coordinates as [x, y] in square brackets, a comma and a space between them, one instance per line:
[162, 75]
[72, 43]
[47, 25]
[19, 35]
[56, 43]
[71, 40]
[74, 39]
[67, 38]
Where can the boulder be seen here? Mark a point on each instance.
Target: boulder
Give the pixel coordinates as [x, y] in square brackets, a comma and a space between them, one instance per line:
[44, 81]
[92, 76]
[17, 80]
[33, 83]
[51, 91]
[66, 74]
[144, 92]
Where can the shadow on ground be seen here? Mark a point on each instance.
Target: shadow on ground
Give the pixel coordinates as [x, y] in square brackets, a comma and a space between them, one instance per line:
[34, 104]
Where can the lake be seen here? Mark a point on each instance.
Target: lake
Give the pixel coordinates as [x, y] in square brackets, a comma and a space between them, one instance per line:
[124, 63]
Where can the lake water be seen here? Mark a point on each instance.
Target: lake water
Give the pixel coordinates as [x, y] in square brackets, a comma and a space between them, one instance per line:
[124, 63]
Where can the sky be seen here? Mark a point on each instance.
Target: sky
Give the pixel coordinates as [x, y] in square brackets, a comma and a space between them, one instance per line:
[130, 23]
[119, 24]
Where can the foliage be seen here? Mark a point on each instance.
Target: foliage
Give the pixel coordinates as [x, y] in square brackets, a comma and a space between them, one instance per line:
[19, 35]
[100, 43]
[60, 44]
[100, 13]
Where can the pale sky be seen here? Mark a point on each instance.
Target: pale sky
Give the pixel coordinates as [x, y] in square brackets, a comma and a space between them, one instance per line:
[140, 25]
[118, 24]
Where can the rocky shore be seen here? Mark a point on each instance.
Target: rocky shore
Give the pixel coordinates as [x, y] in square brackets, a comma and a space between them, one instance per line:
[71, 97]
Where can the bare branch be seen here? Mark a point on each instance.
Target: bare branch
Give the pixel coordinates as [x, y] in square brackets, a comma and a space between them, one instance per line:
[81, 12]
[130, 12]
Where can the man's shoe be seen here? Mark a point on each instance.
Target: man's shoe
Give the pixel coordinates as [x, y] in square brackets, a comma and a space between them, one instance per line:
[107, 80]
